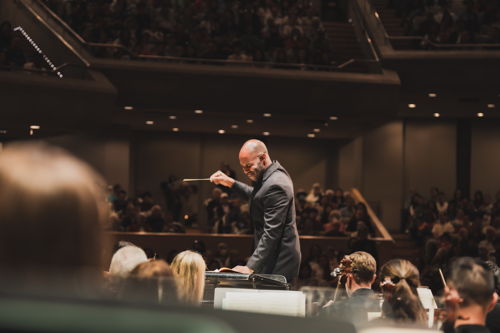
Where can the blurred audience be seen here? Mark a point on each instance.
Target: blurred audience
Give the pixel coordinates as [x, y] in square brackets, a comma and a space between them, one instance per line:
[445, 229]
[261, 31]
[452, 22]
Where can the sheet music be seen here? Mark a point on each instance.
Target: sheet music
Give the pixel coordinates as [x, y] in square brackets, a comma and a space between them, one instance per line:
[282, 302]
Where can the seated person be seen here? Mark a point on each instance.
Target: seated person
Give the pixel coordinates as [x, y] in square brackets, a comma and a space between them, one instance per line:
[189, 270]
[470, 295]
[152, 281]
[400, 280]
[358, 287]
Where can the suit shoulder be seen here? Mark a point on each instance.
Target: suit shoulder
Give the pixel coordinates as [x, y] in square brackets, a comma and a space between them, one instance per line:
[280, 181]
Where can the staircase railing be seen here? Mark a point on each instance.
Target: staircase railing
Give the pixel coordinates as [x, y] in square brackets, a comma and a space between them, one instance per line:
[381, 230]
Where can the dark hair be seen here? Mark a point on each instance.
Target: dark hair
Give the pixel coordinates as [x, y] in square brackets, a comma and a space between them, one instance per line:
[473, 281]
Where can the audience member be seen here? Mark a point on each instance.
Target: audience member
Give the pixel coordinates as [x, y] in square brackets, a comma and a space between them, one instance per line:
[270, 31]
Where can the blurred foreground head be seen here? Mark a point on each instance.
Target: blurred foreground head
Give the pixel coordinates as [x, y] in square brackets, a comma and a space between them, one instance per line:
[51, 207]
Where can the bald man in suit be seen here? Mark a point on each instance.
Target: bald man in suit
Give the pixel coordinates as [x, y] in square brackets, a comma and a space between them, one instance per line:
[272, 209]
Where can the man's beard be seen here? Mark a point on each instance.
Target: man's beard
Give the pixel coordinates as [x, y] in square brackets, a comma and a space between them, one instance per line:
[256, 174]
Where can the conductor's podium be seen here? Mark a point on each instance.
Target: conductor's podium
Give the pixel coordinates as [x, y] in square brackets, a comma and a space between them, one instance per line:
[264, 293]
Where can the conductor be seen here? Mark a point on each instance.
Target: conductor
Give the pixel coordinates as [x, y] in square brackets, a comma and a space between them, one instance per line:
[272, 209]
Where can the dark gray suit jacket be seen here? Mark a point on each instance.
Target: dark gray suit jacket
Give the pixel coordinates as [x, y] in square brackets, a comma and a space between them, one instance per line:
[272, 209]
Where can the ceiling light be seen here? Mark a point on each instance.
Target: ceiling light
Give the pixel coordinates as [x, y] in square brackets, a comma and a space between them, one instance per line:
[412, 106]
[221, 131]
[249, 121]
[31, 132]
[311, 135]
[316, 130]
[234, 126]
[175, 129]
[266, 133]
[172, 117]
[35, 127]
[198, 111]
[267, 115]
[436, 115]
[334, 118]
[480, 114]
[128, 108]
[491, 106]
[432, 95]
[150, 122]
[3, 131]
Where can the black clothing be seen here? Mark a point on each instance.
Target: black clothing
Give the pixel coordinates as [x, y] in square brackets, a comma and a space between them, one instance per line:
[472, 329]
[272, 210]
[355, 308]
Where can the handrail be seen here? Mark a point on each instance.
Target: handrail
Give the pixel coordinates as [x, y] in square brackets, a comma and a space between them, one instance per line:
[367, 33]
[358, 197]
[55, 33]
[62, 22]
[238, 62]
[445, 45]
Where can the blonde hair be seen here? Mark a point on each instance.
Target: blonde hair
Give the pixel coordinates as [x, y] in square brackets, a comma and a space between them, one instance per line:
[51, 207]
[189, 269]
[402, 303]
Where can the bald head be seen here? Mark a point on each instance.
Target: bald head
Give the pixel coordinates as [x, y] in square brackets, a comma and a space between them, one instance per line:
[254, 158]
[253, 147]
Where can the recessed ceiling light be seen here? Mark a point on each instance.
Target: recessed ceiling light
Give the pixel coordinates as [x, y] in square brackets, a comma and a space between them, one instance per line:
[175, 129]
[491, 106]
[198, 111]
[311, 135]
[35, 127]
[234, 126]
[480, 114]
[150, 122]
[3, 131]
[334, 118]
[316, 130]
[249, 121]
[266, 133]
[412, 106]
[436, 115]
[267, 115]
[221, 131]
[128, 108]
[172, 117]
[432, 95]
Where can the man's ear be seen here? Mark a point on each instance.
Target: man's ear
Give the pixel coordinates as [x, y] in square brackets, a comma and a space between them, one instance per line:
[494, 300]
[373, 279]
